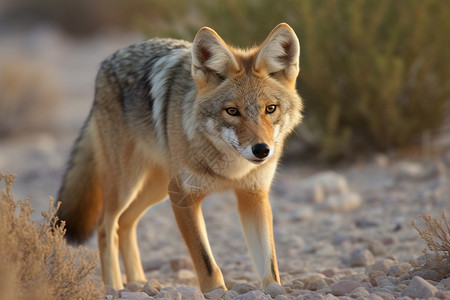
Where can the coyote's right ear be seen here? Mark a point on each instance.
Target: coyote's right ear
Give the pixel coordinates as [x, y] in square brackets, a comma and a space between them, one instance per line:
[211, 57]
[280, 53]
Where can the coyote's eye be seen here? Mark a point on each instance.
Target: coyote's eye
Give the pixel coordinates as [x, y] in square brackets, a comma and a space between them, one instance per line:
[232, 111]
[270, 108]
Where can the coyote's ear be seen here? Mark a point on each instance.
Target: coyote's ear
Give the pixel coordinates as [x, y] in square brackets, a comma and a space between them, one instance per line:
[211, 57]
[280, 53]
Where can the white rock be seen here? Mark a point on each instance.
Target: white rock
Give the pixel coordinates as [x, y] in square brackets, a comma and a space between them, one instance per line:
[331, 182]
[343, 203]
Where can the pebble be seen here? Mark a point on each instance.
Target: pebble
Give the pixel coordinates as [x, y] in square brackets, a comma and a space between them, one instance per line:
[230, 294]
[135, 296]
[169, 293]
[253, 295]
[344, 287]
[316, 285]
[190, 293]
[428, 274]
[400, 269]
[242, 288]
[361, 258]
[342, 203]
[134, 286]
[359, 292]
[109, 290]
[376, 247]
[152, 287]
[215, 294]
[419, 288]
[274, 289]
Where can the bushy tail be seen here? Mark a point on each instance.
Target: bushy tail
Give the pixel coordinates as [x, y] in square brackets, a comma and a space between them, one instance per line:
[80, 193]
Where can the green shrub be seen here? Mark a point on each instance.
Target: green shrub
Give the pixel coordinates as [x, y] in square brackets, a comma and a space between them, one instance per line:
[38, 262]
[375, 74]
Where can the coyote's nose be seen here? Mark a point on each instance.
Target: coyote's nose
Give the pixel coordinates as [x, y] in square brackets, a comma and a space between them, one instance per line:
[261, 150]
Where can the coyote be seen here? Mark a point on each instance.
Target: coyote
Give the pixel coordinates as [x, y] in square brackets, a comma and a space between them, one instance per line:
[179, 120]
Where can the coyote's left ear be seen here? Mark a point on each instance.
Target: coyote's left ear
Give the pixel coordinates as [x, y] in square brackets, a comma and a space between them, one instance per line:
[280, 53]
[211, 57]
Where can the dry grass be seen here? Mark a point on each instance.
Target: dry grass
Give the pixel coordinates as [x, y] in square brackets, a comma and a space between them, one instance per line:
[39, 263]
[437, 236]
[28, 96]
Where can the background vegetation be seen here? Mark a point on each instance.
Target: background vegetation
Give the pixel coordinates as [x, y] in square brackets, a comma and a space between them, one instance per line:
[375, 74]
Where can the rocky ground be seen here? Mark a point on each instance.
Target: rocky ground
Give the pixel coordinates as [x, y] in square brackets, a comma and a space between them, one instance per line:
[340, 232]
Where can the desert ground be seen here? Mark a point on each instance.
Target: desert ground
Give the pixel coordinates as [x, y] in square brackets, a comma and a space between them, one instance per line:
[341, 231]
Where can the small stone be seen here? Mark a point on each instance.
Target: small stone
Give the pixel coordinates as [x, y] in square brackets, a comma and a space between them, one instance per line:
[343, 203]
[152, 287]
[309, 277]
[419, 288]
[376, 247]
[331, 182]
[274, 289]
[301, 214]
[359, 292]
[400, 269]
[242, 288]
[154, 264]
[252, 295]
[443, 294]
[134, 296]
[284, 297]
[294, 285]
[316, 285]
[374, 297]
[385, 295]
[134, 286]
[410, 171]
[361, 258]
[444, 283]
[215, 294]
[180, 263]
[428, 274]
[169, 293]
[383, 266]
[343, 287]
[109, 290]
[190, 293]
[366, 223]
[314, 296]
[229, 295]
[186, 274]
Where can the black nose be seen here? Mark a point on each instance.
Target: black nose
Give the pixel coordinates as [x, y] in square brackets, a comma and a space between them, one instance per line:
[261, 150]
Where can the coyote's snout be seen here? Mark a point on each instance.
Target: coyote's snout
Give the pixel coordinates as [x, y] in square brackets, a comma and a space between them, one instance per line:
[181, 120]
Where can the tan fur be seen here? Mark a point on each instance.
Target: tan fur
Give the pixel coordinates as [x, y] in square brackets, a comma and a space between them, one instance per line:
[159, 126]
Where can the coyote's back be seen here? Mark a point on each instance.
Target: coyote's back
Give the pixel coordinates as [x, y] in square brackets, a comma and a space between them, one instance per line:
[183, 120]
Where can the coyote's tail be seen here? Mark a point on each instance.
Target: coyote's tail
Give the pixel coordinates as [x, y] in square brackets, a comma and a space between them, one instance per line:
[80, 193]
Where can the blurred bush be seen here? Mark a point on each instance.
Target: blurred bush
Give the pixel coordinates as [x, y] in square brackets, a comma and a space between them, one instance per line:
[28, 96]
[375, 74]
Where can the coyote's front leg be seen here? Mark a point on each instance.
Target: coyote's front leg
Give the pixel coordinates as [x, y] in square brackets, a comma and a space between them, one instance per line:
[188, 213]
[256, 219]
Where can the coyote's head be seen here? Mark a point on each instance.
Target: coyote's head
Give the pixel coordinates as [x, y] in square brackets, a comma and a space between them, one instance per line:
[246, 99]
